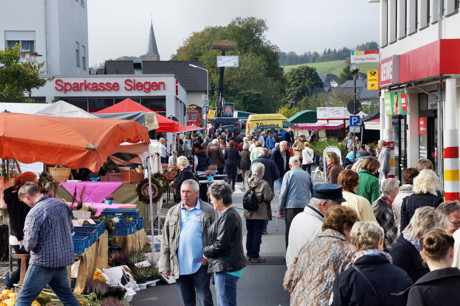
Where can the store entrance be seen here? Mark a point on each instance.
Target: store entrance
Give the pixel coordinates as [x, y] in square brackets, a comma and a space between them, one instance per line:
[400, 128]
[428, 128]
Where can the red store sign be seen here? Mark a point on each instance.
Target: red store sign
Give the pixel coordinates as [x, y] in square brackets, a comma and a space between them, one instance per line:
[128, 85]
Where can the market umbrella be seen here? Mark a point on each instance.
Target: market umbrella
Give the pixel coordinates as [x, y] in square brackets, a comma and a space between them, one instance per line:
[72, 142]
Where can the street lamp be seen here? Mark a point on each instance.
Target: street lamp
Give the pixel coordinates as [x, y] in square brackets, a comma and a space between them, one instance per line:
[206, 105]
[354, 70]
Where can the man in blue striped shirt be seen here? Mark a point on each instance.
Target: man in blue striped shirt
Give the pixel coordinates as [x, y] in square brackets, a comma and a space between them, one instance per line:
[48, 236]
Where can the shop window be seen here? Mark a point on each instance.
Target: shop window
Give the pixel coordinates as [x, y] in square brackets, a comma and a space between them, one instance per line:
[154, 103]
[79, 102]
[98, 104]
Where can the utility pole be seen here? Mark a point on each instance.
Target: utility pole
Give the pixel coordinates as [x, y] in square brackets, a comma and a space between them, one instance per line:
[223, 46]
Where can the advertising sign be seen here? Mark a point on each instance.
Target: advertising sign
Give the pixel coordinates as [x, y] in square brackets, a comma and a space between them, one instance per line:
[389, 71]
[228, 109]
[373, 80]
[227, 61]
[396, 102]
[358, 57]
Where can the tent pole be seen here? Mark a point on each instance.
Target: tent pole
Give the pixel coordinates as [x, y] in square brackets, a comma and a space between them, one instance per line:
[152, 226]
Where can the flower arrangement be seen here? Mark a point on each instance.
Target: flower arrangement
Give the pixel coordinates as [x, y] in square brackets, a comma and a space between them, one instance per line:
[157, 189]
[46, 183]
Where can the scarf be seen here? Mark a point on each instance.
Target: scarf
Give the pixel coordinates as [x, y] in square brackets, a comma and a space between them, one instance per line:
[371, 252]
[328, 169]
[414, 242]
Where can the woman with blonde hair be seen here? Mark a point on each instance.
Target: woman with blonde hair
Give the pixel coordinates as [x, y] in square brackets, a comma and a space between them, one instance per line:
[333, 167]
[426, 184]
[309, 280]
[362, 284]
[406, 250]
[440, 285]
[368, 183]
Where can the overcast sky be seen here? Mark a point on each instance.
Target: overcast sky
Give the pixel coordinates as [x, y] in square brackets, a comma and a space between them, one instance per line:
[120, 27]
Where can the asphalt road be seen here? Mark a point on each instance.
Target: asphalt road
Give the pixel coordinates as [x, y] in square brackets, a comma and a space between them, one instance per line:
[261, 284]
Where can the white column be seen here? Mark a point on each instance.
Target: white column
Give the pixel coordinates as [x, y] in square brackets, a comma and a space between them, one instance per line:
[451, 141]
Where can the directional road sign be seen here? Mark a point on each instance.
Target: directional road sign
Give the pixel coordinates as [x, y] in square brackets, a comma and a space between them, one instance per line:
[355, 120]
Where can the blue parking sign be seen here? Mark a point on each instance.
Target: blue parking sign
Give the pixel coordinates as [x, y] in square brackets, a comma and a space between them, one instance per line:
[355, 121]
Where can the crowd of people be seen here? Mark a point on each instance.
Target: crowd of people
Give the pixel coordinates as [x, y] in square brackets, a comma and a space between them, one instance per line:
[361, 238]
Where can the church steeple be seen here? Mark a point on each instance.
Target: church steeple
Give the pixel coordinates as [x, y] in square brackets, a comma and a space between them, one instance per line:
[152, 50]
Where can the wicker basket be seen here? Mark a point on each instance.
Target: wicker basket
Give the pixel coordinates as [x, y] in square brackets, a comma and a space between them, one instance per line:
[60, 174]
[131, 176]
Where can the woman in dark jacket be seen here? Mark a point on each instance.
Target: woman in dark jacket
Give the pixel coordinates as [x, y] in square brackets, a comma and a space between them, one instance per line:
[425, 186]
[201, 160]
[352, 288]
[17, 212]
[245, 164]
[333, 167]
[406, 250]
[184, 173]
[225, 253]
[440, 286]
[232, 160]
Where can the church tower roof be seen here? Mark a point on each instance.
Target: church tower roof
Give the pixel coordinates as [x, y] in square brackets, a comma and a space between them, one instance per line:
[152, 50]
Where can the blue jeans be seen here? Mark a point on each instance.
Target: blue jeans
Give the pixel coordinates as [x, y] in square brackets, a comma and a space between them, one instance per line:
[36, 279]
[254, 237]
[195, 287]
[279, 183]
[225, 285]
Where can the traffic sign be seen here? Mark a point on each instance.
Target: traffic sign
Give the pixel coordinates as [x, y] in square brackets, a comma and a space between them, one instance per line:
[354, 129]
[355, 120]
[354, 107]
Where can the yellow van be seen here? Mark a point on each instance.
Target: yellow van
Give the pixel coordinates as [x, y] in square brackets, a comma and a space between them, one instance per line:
[261, 120]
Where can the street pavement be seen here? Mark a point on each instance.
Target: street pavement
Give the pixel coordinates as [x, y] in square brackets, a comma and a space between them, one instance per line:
[261, 284]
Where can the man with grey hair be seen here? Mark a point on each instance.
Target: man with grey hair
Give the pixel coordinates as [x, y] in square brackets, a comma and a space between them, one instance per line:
[184, 235]
[451, 209]
[296, 192]
[48, 236]
[271, 173]
[308, 224]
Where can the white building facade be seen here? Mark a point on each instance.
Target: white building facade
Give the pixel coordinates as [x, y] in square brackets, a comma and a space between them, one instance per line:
[55, 29]
[419, 76]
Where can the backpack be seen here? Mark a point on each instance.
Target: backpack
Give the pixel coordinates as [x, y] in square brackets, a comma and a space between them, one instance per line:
[250, 201]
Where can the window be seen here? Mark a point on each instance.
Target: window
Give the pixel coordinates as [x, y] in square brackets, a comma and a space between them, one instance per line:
[392, 9]
[451, 7]
[412, 16]
[402, 19]
[384, 28]
[77, 53]
[83, 57]
[434, 10]
[25, 45]
[424, 13]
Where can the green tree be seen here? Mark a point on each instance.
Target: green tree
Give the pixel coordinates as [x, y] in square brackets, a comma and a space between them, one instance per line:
[302, 82]
[17, 79]
[287, 111]
[257, 84]
[346, 74]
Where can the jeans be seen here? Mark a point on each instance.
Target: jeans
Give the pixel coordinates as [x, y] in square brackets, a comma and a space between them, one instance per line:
[232, 173]
[195, 287]
[289, 214]
[225, 285]
[254, 237]
[279, 183]
[36, 279]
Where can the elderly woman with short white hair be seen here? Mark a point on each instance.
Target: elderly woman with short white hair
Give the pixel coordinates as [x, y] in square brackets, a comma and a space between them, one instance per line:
[373, 278]
[184, 173]
[426, 184]
[406, 250]
[384, 213]
[255, 218]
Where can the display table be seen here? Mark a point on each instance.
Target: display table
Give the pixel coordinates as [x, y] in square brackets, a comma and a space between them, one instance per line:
[126, 193]
[99, 207]
[134, 242]
[92, 191]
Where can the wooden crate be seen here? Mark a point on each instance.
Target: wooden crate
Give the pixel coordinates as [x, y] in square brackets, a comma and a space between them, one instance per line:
[131, 176]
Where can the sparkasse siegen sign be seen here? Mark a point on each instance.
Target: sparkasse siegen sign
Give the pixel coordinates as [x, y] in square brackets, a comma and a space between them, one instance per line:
[130, 85]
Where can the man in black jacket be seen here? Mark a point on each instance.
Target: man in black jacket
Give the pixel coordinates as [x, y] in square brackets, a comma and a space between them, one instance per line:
[281, 158]
[271, 173]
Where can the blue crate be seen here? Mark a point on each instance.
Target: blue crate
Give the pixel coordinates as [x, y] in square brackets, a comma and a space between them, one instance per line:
[127, 213]
[87, 231]
[80, 243]
[124, 229]
[99, 226]
[139, 223]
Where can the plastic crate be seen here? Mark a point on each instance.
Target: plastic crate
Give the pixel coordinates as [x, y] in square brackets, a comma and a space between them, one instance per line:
[80, 243]
[89, 232]
[124, 228]
[139, 223]
[99, 226]
[127, 213]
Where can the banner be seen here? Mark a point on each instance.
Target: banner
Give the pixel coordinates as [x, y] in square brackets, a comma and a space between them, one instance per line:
[396, 102]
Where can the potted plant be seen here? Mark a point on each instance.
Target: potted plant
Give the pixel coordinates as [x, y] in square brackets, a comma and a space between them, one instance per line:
[141, 275]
